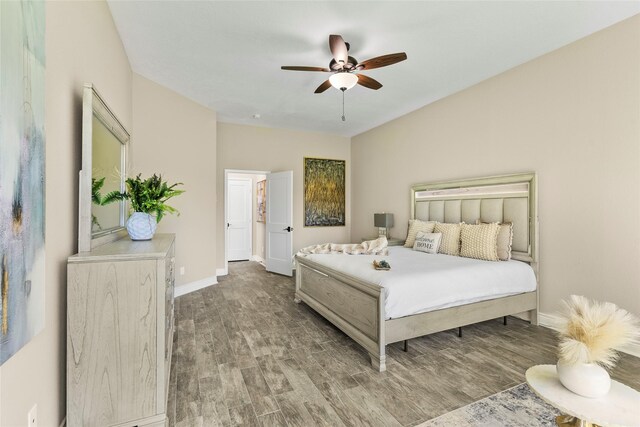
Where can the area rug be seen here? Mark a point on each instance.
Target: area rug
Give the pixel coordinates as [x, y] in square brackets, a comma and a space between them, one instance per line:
[517, 406]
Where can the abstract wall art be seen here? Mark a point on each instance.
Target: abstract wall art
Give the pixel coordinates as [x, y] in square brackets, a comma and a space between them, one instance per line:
[324, 192]
[261, 194]
[22, 163]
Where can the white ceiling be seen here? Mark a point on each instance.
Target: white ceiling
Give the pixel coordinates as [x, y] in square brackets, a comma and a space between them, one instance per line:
[227, 54]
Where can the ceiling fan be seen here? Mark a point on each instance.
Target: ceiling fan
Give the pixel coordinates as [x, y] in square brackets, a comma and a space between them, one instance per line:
[345, 67]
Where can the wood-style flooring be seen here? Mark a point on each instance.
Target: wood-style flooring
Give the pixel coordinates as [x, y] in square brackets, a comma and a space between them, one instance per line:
[245, 354]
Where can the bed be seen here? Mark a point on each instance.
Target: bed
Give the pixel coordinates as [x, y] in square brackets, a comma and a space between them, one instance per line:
[379, 308]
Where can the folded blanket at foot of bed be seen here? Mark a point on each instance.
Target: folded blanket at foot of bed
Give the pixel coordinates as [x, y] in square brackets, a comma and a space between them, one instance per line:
[368, 247]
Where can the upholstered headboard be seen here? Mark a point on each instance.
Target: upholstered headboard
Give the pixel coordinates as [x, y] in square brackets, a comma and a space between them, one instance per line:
[508, 198]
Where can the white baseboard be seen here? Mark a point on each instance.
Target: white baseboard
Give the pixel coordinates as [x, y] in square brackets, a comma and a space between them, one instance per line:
[632, 349]
[194, 286]
[257, 258]
[548, 321]
[222, 271]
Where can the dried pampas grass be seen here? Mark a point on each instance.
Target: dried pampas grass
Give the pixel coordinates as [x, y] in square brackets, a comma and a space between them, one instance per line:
[590, 331]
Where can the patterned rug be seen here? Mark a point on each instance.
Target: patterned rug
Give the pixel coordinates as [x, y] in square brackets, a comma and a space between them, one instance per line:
[517, 406]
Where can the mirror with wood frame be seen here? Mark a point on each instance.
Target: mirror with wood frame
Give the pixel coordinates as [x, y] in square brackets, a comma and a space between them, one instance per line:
[105, 143]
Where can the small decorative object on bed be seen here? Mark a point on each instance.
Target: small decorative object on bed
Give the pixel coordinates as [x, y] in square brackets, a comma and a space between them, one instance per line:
[324, 192]
[589, 333]
[148, 199]
[261, 195]
[381, 265]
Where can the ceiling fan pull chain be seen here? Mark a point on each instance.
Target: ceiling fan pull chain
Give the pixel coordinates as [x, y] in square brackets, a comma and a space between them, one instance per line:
[343, 118]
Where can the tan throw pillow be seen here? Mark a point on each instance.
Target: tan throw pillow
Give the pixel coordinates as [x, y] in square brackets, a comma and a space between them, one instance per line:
[416, 225]
[450, 243]
[505, 240]
[480, 241]
[427, 242]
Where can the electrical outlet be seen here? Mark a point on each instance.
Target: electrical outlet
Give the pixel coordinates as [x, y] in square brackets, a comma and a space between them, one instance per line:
[33, 417]
[182, 271]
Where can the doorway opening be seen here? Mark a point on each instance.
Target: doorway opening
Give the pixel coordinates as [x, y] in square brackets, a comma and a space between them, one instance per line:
[258, 218]
[244, 221]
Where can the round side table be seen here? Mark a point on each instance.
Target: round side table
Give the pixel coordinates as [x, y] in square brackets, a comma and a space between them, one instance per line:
[620, 407]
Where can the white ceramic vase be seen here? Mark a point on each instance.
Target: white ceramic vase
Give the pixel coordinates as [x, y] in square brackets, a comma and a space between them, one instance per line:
[141, 226]
[585, 379]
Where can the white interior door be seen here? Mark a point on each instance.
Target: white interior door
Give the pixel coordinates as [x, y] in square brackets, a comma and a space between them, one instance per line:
[279, 222]
[239, 210]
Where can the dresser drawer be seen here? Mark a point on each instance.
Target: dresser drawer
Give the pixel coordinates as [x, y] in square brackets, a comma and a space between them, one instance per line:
[119, 322]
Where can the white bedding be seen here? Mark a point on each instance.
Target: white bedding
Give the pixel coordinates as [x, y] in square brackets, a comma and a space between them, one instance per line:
[419, 282]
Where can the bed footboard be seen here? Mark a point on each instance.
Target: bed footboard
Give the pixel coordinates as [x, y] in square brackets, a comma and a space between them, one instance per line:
[357, 308]
[353, 306]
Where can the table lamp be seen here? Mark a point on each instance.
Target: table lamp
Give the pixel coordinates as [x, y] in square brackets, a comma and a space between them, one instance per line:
[383, 221]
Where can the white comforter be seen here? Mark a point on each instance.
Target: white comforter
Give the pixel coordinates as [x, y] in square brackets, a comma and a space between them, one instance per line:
[419, 282]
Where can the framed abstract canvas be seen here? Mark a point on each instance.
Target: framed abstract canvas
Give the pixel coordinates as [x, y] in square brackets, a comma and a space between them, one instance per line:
[22, 162]
[324, 192]
[261, 195]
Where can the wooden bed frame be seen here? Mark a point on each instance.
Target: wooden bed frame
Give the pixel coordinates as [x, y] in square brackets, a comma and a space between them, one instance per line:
[357, 307]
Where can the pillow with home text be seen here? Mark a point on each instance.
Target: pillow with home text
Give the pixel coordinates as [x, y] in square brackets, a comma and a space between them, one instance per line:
[427, 242]
[416, 225]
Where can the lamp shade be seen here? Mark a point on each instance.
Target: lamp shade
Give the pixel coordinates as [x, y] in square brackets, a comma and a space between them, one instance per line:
[383, 220]
[343, 80]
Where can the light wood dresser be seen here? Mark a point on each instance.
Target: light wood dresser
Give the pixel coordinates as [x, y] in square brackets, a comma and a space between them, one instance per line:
[120, 332]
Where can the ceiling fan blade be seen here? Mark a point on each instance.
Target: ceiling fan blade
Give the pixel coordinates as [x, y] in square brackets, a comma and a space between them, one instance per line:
[368, 82]
[324, 86]
[297, 68]
[382, 61]
[338, 49]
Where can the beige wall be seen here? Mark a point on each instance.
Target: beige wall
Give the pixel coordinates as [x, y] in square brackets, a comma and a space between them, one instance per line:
[177, 138]
[263, 149]
[82, 45]
[574, 117]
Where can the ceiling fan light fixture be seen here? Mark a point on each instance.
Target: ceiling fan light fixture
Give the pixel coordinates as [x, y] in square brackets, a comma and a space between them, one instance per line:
[343, 81]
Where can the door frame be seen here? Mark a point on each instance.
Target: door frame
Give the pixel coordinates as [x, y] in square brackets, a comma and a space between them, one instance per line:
[246, 180]
[225, 208]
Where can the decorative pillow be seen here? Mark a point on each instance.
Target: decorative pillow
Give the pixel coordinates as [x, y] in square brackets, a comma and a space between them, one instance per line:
[505, 240]
[480, 241]
[416, 225]
[450, 243]
[427, 242]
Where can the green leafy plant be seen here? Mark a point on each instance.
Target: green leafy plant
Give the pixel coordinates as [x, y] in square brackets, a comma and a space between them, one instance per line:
[98, 199]
[96, 196]
[150, 195]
